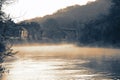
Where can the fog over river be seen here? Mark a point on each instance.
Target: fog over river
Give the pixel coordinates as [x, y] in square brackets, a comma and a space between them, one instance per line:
[63, 62]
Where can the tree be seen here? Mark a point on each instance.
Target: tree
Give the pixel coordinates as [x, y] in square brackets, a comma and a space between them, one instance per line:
[5, 49]
[51, 27]
[114, 23]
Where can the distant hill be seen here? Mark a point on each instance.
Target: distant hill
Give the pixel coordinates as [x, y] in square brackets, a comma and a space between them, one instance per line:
[97, 23]
[91, 11]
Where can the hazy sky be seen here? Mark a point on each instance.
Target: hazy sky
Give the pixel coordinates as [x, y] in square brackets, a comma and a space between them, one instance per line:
[26, 9]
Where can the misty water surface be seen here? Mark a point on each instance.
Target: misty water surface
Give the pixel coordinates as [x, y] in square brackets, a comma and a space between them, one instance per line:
[63, 62]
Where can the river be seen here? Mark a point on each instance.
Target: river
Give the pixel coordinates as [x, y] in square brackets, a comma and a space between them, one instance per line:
[63, 62]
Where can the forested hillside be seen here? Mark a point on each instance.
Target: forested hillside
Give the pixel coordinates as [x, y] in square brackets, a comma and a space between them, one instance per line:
[97, 23]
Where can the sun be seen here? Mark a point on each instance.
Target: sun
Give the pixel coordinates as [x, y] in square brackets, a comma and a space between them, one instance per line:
[26, 9]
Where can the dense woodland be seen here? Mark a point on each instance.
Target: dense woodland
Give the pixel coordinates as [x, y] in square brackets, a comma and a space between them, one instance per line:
[104, 30]
[101, 30]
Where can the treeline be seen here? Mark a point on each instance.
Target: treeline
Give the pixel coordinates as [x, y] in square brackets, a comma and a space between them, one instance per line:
[105, 30]
[34, 30]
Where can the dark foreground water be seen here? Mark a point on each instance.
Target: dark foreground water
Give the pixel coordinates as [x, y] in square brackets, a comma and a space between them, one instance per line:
[63, 62]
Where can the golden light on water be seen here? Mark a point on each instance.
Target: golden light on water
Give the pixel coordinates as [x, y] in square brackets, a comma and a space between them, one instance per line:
[58, 62]
[64, 50]
[48, 69]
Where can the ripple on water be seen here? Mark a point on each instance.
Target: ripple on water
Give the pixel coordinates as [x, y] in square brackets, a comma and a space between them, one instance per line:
[51, 69]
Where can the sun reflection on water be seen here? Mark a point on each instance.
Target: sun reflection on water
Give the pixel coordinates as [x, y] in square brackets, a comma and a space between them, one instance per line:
[48, 70]
[61, 62]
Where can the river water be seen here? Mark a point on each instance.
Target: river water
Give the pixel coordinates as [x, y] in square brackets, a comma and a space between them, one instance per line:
[63, 62]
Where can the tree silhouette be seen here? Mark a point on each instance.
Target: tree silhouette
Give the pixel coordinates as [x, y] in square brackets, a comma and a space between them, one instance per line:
[5, 46]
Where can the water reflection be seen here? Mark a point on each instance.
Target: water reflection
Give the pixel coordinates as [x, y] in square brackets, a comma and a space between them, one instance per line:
[110, 67]
[64, 63]
[48, 69]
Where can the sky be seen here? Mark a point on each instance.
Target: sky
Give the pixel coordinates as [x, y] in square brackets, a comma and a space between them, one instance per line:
[27, 9]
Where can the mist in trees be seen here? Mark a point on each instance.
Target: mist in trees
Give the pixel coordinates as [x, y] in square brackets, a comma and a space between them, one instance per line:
[101, 31]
